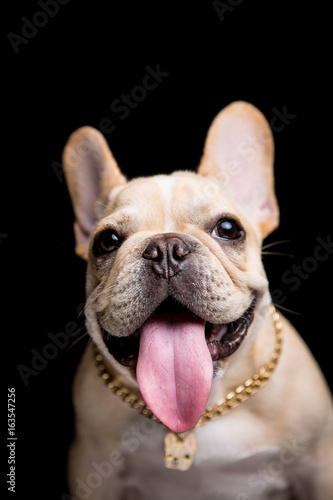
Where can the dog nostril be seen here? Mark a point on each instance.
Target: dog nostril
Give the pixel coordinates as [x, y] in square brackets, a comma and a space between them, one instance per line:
[152, 252]
[180, 250]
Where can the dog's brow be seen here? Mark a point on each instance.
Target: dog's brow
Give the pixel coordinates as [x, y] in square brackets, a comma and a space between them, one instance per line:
[117, 219]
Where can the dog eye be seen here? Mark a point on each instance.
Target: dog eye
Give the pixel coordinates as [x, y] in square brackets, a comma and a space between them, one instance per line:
[107, 241]
[227, 229]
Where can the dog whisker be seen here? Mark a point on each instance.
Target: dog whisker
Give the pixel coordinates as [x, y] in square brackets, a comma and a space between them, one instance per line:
[92, 299]
[81, 312]
[103, 204]
[275, 243]
[282, 254]
[85, 334]
[278, 306]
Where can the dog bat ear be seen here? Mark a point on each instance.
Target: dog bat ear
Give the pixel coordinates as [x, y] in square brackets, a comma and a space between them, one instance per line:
[239, 153]
[91, 173]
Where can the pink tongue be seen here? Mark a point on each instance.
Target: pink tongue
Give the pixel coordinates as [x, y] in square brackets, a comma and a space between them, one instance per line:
[175, 369]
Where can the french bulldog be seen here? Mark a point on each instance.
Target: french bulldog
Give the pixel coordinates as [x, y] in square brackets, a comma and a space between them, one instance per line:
[178, 311]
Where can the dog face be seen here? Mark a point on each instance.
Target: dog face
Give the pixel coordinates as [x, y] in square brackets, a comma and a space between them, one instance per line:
[175, 285]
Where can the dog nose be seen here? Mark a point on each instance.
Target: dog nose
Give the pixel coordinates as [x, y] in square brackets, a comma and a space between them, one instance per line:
[167, 255]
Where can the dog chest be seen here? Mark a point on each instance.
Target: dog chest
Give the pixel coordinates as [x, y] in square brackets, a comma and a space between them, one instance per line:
[258, 476]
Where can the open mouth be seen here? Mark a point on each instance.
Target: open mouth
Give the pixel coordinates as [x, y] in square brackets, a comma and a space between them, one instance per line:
[222, 340]
[173, 354]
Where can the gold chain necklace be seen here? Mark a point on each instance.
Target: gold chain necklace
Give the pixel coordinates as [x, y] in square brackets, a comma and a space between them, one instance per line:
[180, 448]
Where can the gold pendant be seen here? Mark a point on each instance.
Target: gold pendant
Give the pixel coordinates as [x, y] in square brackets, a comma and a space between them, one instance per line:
[179, 451]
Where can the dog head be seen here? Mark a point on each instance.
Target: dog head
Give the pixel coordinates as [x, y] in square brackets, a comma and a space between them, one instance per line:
[175, 285]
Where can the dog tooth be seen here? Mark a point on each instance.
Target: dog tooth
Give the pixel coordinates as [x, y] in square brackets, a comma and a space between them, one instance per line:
[217, 332]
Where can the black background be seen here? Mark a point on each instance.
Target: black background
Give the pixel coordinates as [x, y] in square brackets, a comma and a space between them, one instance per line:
[68, 75]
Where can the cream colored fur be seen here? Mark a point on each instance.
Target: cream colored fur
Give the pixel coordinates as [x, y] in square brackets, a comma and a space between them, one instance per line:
[279, 443]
